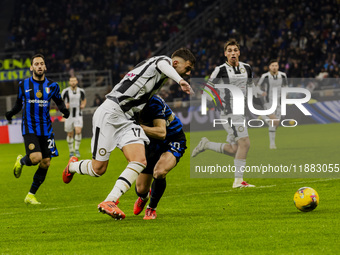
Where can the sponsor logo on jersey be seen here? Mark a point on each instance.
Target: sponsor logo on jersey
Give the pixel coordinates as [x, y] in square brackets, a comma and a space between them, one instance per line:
[130, 75]
[36, 101]
[39, 94]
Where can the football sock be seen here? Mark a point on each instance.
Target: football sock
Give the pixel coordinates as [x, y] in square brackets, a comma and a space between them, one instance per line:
[77, 139]
[38, 179]
[157, 191]
[26, 161]
[218, 147]
[125, 180]
[142, 196]
[272, 134]
[69, 141]
[83, 167]
[239, 165]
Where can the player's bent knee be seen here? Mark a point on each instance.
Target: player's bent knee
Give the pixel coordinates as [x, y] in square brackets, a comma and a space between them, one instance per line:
[45, 164]
[140, 161]
[99, 171]
[98, 167]
[160, 174]
[244, 142]
[35, 160]
[142, 188]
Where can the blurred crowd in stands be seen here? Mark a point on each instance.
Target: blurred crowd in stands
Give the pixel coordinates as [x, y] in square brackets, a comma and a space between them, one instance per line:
[116, 35]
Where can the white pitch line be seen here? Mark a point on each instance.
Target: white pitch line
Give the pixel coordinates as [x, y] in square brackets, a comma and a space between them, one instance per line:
[183, 195]
[258, 187]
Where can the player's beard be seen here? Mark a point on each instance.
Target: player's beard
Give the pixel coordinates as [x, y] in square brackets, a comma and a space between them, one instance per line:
[39, 75]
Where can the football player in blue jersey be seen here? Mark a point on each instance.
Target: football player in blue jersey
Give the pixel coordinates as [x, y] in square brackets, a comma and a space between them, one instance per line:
[34, 97]
[167, 146]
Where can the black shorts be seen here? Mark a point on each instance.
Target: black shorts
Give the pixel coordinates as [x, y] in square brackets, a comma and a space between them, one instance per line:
[44, 144]
[175, 144]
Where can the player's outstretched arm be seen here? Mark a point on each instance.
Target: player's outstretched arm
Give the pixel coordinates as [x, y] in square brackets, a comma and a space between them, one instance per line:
[169, 71]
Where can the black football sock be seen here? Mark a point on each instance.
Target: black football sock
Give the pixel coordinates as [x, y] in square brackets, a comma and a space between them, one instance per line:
[157, 190]
[38, 179]
[26, 161]
[143, 196]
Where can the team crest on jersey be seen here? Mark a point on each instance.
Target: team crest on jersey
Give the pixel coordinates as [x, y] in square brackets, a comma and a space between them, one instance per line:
[102, 152]
[39, 94]
[31, 146]
[242, 70]
[47, 89]
[240, 129]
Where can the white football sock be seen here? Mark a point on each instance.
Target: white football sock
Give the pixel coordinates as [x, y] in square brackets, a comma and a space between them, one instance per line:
[240, 165]
[69, 141]
[272, 134]
[83, 167]
[77, 139]
[218, 147]
[125, 180]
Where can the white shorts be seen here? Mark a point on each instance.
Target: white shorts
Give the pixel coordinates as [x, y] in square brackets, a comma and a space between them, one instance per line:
[277, 112]
[70, 123]
[237, 125]
[111, 128]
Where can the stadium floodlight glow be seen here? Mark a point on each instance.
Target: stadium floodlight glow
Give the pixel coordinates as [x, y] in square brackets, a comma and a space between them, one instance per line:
[238, 100]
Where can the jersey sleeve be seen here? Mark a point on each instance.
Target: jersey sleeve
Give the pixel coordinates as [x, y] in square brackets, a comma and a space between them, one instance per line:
[213, 77]
[65, 96]
[18, 103]
[82, 94]
[285, 80]
[57, 97]
[263, 82]
[156, 108]
[165, 67]
[250, 74]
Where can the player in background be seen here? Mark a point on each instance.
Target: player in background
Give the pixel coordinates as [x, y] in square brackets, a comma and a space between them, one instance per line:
[239, 74]
[75, 101]
[269, 80]
[167, 146]
[34, 96]
[114, 124]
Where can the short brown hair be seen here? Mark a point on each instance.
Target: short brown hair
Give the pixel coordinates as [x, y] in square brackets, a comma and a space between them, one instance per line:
[231, 42]
[37, 56]
[186, 54]
[273, 61]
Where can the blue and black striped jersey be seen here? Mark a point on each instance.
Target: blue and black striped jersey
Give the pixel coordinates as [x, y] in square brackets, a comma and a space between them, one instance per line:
[156, 108]
[35, 98]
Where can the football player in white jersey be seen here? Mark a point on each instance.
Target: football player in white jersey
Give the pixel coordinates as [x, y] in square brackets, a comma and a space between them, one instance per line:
[114, 124]
[269, 80]
[239, 74]
[75, 100]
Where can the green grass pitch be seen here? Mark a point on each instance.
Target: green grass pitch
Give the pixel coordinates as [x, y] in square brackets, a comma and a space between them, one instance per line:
[195, 216]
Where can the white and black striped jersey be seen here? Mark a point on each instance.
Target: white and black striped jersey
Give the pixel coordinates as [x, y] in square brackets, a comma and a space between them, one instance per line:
[74, 98]
[240, 76]
[268, 81]
[139, 85]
